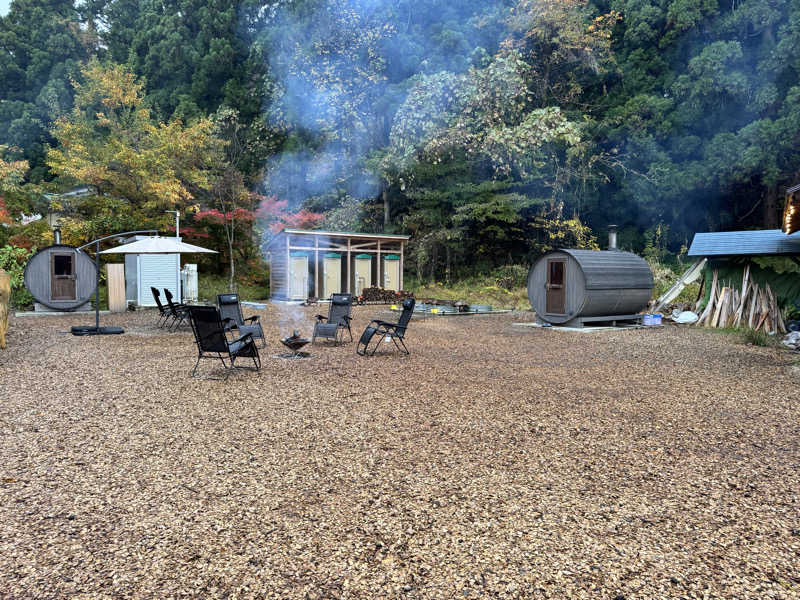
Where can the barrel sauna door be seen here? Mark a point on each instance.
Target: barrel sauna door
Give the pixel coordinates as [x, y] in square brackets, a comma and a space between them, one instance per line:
[62, 276]
[556, 293]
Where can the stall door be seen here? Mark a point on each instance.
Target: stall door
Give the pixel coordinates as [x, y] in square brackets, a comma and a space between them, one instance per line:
[332, 275]
[298, 278]
[391, 274]
[363, 274]
[556, 292]
[62, 276]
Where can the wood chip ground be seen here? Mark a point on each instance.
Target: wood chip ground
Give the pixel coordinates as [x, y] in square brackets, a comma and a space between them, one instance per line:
[494, 462]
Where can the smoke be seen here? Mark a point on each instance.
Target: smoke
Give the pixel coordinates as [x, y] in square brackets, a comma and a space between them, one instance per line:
[341, 69]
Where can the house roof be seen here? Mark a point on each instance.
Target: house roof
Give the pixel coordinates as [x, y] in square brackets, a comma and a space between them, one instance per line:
[340, 234]
[765, 242]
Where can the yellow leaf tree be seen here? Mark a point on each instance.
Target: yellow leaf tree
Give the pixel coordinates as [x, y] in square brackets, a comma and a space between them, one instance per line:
[110, 141]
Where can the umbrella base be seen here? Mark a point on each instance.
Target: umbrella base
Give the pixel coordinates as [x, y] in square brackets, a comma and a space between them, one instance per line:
[92, 330]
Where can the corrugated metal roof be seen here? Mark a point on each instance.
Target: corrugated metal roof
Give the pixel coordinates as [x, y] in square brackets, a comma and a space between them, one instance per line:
[612, 269]
[766, 242]
[339, 234]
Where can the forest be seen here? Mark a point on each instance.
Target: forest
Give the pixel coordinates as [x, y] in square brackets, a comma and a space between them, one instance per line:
[488, 131]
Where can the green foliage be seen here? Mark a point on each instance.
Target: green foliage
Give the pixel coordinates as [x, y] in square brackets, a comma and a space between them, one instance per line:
[43, 49]
[474, 290]
[209, 285]
[757, 338]
[13, 261]
[509, 277]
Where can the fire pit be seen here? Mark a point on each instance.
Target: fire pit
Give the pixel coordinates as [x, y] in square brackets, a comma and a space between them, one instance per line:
[294, 342]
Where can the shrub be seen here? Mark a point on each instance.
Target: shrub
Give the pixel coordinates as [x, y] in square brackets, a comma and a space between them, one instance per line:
[509, 277]
[756, 338]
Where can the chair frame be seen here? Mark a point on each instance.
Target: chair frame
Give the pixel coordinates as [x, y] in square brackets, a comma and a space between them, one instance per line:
[164, 313]
[340, 326]
[382, 329]
[179, 311]
[232, 323]
[213, 345]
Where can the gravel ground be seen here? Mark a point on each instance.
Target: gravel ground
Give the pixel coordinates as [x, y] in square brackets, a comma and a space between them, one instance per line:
[495, 461]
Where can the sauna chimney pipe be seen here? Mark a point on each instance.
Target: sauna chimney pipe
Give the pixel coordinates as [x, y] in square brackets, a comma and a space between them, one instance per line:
[56, 234]
[612, 237]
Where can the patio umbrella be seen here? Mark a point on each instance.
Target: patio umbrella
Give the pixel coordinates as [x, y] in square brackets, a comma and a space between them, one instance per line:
[158, 245]
[151, 245]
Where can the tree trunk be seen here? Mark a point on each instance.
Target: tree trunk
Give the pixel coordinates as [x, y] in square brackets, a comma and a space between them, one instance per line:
[448, 257]
[771, 218]
[386, 207]
[230, 253]
[434, 260]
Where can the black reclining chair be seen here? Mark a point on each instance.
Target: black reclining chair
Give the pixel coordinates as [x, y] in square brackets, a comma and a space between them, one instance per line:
[164, 313]
[338, 320]
[179, 312]
[230, 310]
[383, 329]
[212, 341]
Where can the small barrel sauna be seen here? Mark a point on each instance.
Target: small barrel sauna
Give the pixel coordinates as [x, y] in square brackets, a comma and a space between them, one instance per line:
[574, 287]
[61, 278]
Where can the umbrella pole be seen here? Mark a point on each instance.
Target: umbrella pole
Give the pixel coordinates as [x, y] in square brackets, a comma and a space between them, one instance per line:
[97, 287]
[97, 330]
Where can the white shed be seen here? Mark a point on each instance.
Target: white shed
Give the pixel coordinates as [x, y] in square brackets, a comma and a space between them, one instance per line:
[143, 271]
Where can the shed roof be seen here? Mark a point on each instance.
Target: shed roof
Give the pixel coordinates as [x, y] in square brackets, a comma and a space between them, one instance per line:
[339, 234]
[612, 269]
[765, 242]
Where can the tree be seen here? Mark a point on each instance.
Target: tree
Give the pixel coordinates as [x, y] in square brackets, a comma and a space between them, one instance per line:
[41, 50]
[110, 141]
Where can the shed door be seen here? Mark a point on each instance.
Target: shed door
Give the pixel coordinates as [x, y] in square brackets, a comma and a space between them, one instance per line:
[298, 278]
[391, 275]
[331, 275]
[62, 276]
[556, 293]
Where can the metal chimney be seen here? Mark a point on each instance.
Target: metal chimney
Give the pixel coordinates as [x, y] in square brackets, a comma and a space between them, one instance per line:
[56, 234]
[612, 237]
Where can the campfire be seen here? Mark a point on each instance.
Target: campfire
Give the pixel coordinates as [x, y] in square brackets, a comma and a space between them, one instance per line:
[294, 342]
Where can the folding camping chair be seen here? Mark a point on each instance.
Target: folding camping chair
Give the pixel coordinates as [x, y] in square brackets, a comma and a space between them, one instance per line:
[338, 320]
[179, 312]
[383, 330]
[212, 341]
[230, 309]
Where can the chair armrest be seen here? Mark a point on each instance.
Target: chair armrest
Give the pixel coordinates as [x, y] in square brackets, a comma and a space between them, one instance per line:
[321, 318]
[242, 338]
[253, 319]
[348, 319]
[386, 324]
[228, 323]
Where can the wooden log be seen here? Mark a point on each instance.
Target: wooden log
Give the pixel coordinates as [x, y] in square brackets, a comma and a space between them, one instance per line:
[745, 287]
[733, 308]
[5, 305]
[709, 309]
[764, 308]
[718, 310]
[753, 304]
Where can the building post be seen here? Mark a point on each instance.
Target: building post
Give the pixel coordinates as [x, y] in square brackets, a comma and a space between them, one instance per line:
[380, 262]
[316, 266]
[402, 247]
[288, 281]
[347, 289]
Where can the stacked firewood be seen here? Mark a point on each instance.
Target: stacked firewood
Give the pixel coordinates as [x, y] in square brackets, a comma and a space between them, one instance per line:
[751, 306]
[376, 294]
